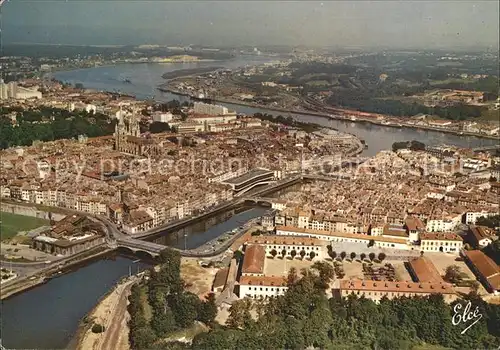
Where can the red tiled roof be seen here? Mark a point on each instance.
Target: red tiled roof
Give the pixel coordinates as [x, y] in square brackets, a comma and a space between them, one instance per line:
[425, 271]
[263, 280]
[440, 237]
[400, 286]
[486, 266]
[253, 261]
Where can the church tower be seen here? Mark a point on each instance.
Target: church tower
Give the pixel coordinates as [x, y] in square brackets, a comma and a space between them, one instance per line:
[120, 133]
[133, 126]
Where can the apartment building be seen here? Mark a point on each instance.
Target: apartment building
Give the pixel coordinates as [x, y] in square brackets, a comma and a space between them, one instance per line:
[306, 220]
[210, 109]
[441, 242]
[137, 221]
[443, 223]
[472, 216]
[257, 287]
[381, 242]
[286, 244]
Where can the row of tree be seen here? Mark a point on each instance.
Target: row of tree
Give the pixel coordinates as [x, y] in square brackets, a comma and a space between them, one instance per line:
[342, 255]
[293, 253]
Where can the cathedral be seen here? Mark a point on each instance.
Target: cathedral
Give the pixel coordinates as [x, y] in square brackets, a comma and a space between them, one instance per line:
[128, 139]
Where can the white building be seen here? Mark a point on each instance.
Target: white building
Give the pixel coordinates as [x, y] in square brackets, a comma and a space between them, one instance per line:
[90, 108]
[207, 108]
[257, 287]
[380, 242]
[441, 242]
[228, 175]
[8, 90]
[376, 290]
[444, 224]
[278, 204]
[162, 117]
[287, 244]
[472, 216]
[213, 119]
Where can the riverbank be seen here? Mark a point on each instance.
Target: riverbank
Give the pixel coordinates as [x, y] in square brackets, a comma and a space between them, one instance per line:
[183, 73]
[111, 313]
[164, 88]
[55, 269]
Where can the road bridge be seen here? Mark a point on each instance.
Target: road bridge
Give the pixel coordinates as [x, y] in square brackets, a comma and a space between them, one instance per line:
[259, 200]
[138, 246]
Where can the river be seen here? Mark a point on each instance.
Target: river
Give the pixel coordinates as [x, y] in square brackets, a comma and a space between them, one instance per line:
[146, 77]
[197, 234]
[47, 316]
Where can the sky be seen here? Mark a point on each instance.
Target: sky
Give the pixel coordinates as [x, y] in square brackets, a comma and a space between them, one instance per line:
[392, 24]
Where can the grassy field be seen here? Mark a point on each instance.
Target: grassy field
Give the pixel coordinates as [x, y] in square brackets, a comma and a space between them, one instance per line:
[11, 224]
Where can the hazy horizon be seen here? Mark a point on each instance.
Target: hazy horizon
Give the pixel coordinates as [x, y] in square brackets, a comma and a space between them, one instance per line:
[389, 24]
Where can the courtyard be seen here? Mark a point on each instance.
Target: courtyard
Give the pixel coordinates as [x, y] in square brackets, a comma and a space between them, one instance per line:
[279, 266]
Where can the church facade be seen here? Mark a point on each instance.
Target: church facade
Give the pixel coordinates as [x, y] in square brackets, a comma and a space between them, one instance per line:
[128, 139]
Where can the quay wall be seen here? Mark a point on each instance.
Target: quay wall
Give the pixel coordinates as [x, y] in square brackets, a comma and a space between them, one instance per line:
[28, 211]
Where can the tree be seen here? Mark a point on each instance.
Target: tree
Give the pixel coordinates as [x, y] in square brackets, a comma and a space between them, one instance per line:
[343, 255]
[312, 255]
[239, 314]
[283, 253]
[293, 253]
[381, 256]
[97, 328]
[491, 222]
[238, 255]
[274, 253]
[371, 256]
[453, 274]
[292, 276]
[215, 339]
[185, 308]
[474, 286]
[143, 338]
[158, 127]
[162, 321]
[208, 310]
[362, 256]
[332, 254]
[302, 254]
[353, 256]
[371, 243]
[326, 273]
